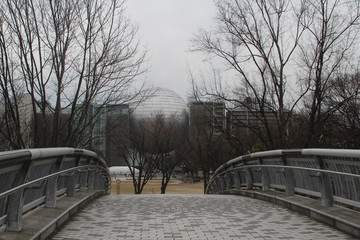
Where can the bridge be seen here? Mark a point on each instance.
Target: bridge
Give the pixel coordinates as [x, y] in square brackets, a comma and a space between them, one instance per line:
[62, 193]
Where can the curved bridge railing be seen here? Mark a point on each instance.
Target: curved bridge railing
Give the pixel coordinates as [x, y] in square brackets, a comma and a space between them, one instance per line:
[329, 174]
[33, 177]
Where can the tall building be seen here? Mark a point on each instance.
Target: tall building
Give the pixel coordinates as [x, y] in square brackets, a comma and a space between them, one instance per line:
[117, 134]
[97, 131]
[16, 117]
[207, 117]
[241, 119]
[109, 132]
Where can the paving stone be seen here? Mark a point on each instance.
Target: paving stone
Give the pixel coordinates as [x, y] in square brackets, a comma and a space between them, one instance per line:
[191, 217]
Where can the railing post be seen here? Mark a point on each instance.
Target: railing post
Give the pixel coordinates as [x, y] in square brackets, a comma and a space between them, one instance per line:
[289, 182]
[249, 178]
[237, 179]
[265, 179]
[222, 183]
[106, 183]
[102, 184]
[50, 192]
[327, 198]
[51, 185]
[228, 181]
[16, 201]
[218, 185]
[91, 183]
[97, 180]
[211, 189]
[15, 210]
[70, 188]
[83, 180]
[289, 179]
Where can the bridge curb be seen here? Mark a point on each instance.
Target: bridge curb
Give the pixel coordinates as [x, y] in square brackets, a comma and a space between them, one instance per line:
[309, 207]
[65, 216]
[42, 222]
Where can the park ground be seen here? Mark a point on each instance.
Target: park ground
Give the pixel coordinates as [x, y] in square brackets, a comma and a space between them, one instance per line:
[153, 187]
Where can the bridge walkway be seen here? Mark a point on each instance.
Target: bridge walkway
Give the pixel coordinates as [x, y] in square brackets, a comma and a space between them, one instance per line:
[191, 217]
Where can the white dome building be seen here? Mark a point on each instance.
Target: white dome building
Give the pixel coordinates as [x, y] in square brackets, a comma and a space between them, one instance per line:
[160, 101]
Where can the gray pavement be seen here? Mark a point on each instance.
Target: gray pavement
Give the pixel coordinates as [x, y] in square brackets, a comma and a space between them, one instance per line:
[191, 217]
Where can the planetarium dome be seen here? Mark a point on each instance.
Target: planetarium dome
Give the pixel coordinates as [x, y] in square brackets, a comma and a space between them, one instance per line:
[160, 101]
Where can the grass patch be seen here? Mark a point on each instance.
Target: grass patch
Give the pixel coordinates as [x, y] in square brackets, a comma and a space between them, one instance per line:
[153, 187]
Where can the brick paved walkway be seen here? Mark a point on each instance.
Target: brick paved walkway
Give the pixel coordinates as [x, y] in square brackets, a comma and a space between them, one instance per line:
[190, 217]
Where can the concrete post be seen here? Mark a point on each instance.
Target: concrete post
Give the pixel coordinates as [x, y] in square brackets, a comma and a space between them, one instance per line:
[50, 194]
[83, 180]
[210, 190]
[237, 179]
[70, 188]
[91, 181]
[327, 198]
[16, 201]
[15, 211]
[289, 182]
[97, 180]
[218, 185]
[228, 181]
[102, 182]
[249, 178]
[222, 183]
[51, 185]
[289, 179]
[265, 179]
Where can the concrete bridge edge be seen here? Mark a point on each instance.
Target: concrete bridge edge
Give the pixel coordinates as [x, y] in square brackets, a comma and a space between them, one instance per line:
[40, 223]
[344, 219]
[55, 224]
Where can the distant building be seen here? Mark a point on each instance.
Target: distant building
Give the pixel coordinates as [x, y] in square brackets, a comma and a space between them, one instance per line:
[16, 119]
[159, 101]
[109, 132]
[117, 135]
[248, 116]
[98, 116]
[206, 116]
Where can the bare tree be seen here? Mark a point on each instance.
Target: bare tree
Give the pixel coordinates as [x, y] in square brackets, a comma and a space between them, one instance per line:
[332, 28]
[137, 156]
[168, 135]
[258, 40]
[208, 146]
[164, 136]
[263, 42]
[345, 120]
[67, 56]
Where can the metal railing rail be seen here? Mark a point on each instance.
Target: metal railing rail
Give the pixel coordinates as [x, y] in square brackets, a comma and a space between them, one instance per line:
[33, 177]
[331, 174]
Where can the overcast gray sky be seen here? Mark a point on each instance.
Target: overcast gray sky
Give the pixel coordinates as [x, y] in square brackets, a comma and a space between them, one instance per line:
[166, 27]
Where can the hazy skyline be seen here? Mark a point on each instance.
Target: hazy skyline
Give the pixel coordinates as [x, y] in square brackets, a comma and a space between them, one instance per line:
[166, 28]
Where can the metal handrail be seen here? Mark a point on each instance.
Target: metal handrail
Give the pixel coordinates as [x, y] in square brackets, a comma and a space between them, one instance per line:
[25, 185]
[20, 170]
[349, 153]
[325, 162]
[289, 167]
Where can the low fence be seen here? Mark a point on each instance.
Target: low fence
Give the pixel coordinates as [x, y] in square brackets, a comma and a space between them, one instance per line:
[33, 177]
[330, 174]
